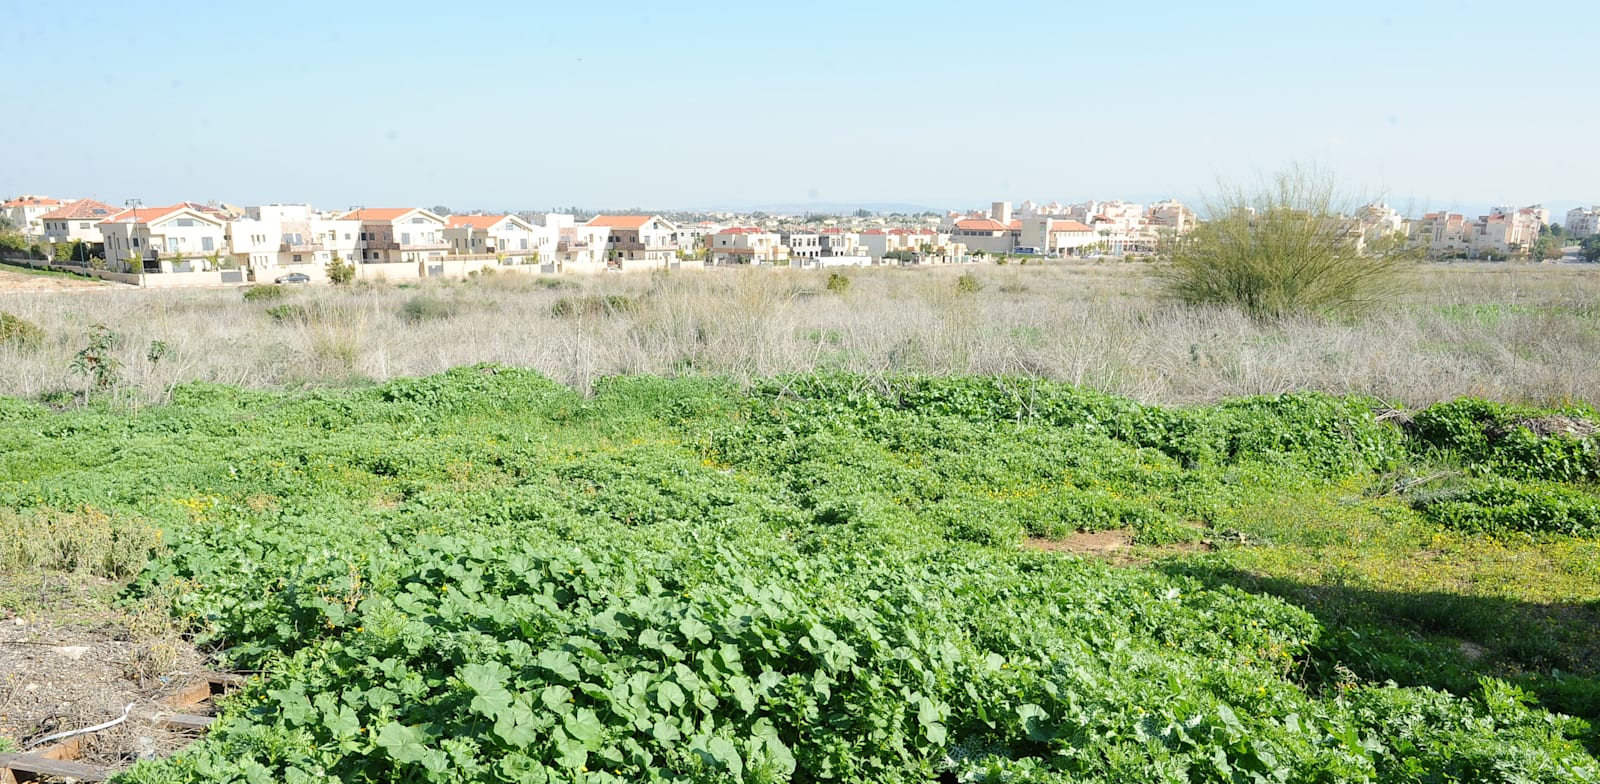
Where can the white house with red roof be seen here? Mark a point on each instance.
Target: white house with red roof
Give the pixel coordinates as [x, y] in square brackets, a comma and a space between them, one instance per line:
[25, 212]
[515, 240]
[283, 238]
[182, 237]
[742, 245]
[638, 241]
[76, 222]
[986, 234]
[392, 235]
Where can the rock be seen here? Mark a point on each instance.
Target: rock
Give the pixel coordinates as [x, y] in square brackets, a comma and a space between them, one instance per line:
[73, 652]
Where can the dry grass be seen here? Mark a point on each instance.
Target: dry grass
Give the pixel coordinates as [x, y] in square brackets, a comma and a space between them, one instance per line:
[1513, 332]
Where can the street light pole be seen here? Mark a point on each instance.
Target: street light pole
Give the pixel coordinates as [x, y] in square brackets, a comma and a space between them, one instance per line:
[133, 227]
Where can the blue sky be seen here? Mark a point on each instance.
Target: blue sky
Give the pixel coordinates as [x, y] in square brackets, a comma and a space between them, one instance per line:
[1455, 105]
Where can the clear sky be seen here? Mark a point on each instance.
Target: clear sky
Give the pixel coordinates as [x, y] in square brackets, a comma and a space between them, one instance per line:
[512, 105]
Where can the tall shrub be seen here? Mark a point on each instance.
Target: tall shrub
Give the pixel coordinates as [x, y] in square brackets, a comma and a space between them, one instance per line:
[1285, 247]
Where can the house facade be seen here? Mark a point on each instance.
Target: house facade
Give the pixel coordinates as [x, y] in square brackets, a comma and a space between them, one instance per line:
[516, 240]
[26, 212]
[738, 246]
[183, 237]
[1583, 221]
[638, 241]
[391, 235]
[76, 222]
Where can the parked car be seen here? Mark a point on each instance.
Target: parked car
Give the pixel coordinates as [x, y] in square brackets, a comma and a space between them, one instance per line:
[293, 277]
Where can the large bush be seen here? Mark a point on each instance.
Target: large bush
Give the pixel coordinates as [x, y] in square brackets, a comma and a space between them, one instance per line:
[1284, 248]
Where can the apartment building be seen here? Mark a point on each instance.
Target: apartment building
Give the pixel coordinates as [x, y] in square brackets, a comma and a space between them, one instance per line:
[1583, 221]
[804, 246]
[183, 237]
[399, 234]
[1171, 216]
[638, 241]
[988, 235]
[285, 238]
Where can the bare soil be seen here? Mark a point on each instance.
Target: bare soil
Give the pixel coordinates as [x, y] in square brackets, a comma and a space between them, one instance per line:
[21, 281]
[66, 673]
[1115, 546]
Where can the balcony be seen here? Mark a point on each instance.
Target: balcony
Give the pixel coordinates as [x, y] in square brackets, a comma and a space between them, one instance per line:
[392, 245]
[285, 247]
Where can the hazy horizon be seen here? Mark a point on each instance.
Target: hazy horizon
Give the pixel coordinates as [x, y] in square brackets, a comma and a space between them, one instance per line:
[509, 106]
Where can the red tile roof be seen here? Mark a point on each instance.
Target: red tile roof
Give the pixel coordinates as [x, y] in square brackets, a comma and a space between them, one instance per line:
[475, 221]
[1070, 225]
[620, 221]
[378, 213]
[82, 209]
[742, 230]
[33, 202]
[980, 224]
[148, 215]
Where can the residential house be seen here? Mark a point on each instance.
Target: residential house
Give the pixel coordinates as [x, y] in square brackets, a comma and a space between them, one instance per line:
[508, 237]
[1445, 234]
[25, 213]
[579, 247]
[279, 239]
[183, 237]
[805, 247]
[399, 234]
[77, 222]
[638, 241]
[747, 245]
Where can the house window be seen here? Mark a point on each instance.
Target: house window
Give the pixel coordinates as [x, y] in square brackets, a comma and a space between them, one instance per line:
[135, 242]
[205, 243]
[297, 258]
[405, 238]
[419, 220]
[185, 222]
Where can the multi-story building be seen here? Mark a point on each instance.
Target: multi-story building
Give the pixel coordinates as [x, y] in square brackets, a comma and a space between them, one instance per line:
[1445, 234]
[25, 213]
[285, 238]
[804, 246]
[1055, 235]
[183, 237]
[399, 234]
[1583, 222]
[77, 222]
[838, 242]
[1171, 216]
[747, 245]
[638, 241]
[508, 236]
[579, 247]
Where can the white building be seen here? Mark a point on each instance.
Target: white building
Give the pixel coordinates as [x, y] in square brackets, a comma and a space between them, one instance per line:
[399, 234]
[515, 240]
[1583, 222]
[747, 245]
[25, 213]
[638, 241]
[1172, 216]
[278, 239]
[183, 237]
[76, 222]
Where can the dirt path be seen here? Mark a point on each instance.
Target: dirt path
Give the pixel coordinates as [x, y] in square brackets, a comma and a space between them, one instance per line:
[11, 280]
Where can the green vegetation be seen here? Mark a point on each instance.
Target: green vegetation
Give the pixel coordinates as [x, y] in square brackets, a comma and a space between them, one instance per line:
[1286, 248]
[428, 307]
[838, 283]
[594, 305]
[263, 292]
[485, 576]
[1591, 247]
[340, 271]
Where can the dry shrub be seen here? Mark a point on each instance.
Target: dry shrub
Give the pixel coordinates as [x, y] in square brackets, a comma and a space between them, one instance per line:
[87, 540]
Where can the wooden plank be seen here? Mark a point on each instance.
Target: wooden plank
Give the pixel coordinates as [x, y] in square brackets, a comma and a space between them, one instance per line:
[193, 694]
[33, 766]
[5, 775]
[65, 750]
[186, 721]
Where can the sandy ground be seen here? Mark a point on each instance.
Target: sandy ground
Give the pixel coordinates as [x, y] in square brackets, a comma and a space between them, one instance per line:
[22, 281]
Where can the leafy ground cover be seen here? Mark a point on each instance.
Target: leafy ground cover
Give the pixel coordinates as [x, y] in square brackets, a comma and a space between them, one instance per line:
[484, 576]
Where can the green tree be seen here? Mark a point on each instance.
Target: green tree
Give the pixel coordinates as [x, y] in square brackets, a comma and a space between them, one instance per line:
[340, 271]
[1591, 247]
[1282, 248]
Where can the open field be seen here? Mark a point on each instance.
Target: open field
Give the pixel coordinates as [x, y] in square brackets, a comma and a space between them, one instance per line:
[1506, 332]
[485, 576]
[800, 541]
[15, 278]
